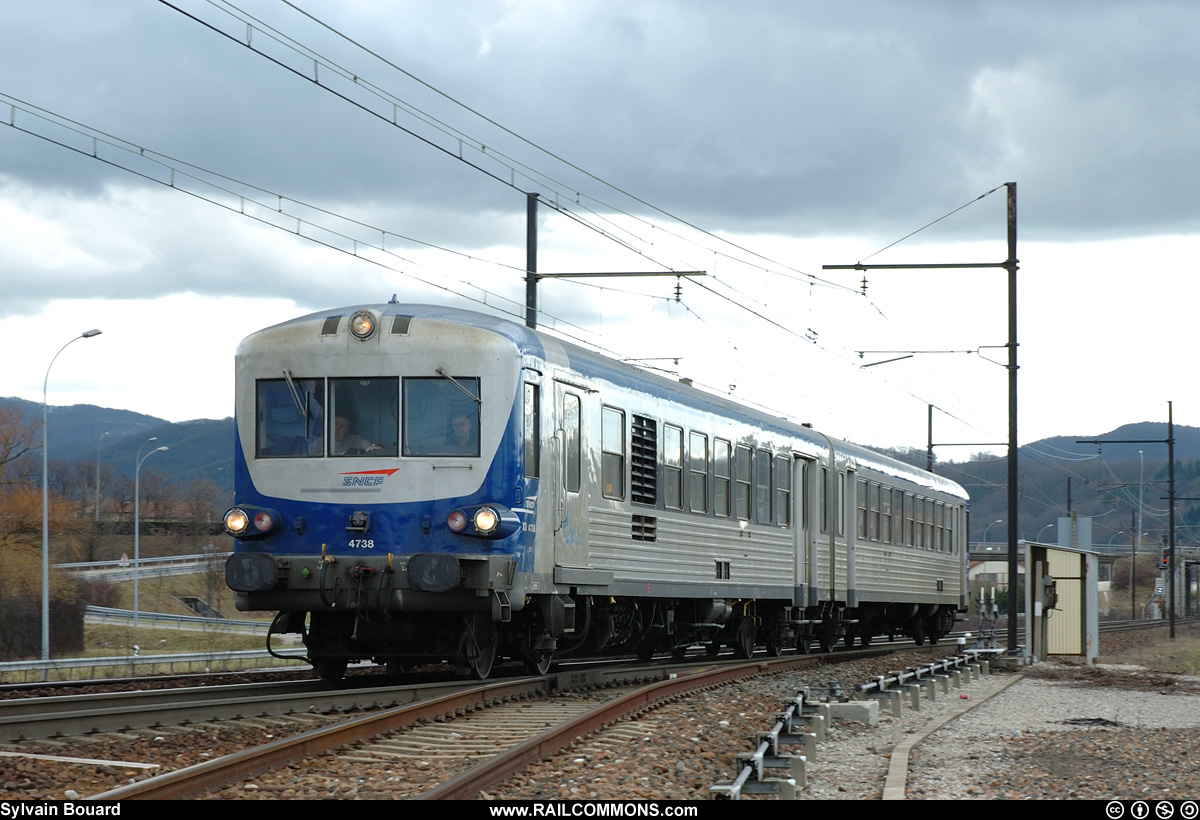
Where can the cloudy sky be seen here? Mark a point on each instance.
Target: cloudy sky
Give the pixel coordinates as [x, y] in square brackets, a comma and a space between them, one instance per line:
[165, 183]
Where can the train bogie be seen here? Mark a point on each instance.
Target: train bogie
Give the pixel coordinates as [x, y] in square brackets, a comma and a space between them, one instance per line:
[421, 484]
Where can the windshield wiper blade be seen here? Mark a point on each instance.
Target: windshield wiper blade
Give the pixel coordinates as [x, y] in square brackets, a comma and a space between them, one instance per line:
[441, 372]
[301, 407]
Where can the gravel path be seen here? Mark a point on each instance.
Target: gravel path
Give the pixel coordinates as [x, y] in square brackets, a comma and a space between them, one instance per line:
[1107, 732]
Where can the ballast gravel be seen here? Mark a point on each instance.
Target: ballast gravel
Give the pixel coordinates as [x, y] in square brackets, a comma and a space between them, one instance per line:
[1061, 731]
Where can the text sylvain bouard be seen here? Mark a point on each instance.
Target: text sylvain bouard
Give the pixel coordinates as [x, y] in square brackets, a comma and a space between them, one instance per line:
[66, 809]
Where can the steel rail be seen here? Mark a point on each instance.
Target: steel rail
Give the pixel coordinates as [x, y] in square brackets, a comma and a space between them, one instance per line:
[215, 774]
[467, 784]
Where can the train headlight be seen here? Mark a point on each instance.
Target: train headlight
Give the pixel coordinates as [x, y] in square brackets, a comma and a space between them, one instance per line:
[486, 519]
[236, 522]
[491, 521]
[362, 325]
[250, 522]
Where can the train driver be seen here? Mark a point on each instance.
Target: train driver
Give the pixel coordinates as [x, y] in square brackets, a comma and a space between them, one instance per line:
[461, 438]
[344, 441]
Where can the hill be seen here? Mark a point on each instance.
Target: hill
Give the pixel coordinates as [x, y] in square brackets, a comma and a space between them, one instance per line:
[1056, 474]
[197, 450]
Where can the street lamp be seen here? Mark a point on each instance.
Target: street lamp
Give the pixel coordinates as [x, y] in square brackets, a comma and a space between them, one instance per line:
[137, 476]
[988, 527]
[1137, 539]
[87, 334]
[98, 443]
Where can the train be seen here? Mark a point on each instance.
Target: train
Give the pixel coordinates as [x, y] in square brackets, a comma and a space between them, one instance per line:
[425, 484]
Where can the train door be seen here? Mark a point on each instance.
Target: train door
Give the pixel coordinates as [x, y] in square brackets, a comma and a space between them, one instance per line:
[570, 467]
[802, 477]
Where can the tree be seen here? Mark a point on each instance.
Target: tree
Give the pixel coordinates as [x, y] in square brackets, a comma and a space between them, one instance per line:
[18, 436]
[202, 497]
[20, 583]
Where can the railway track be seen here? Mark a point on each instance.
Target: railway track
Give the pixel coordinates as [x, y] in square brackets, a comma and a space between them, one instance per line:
[475, 737]
[445, 734]
[448, 729]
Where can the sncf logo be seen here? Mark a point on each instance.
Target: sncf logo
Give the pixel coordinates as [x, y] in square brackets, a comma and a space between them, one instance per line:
[366, 478]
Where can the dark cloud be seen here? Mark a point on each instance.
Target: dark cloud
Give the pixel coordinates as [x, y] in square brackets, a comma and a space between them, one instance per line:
[799, 119]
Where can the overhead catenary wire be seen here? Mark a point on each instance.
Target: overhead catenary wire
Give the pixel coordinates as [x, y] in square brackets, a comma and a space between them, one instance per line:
[491, 298]
[178, 170]
[566, 192]
[783, 268]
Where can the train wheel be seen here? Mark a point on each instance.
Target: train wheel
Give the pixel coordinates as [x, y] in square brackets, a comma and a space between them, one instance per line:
[940, 625]
[803, 643]
[478, 646]
[712, 649]
[330, 669]
[827, 636]
[743, 641]
[396, 668]
[918, 633]
[774, 638]
[539, 664]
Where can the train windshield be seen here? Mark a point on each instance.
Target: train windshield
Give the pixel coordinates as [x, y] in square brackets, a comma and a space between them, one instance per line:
[288, 420]
[441, 416]
[363, 417]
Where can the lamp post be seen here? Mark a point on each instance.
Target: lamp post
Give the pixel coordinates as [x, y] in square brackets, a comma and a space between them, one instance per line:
[87, 334]
[988, 527]
[137, 527]
[98, 443]
[1137, 539]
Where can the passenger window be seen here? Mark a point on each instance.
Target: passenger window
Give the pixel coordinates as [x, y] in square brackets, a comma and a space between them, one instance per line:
[862, 509]
[672, 467]
[823, 498]
[573, 438]
[698, 469]
[362, 417]
[288, 418]
[441, 416]
[929, 532]
[873, 505]
[532, 430]
[743, 478]
[840, 503]
[783, 491]
[762, 488]
[885, 511]
[612, 445]
[721, 465]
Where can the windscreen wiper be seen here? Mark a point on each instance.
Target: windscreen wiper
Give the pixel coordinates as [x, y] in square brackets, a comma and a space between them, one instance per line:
[441, 372]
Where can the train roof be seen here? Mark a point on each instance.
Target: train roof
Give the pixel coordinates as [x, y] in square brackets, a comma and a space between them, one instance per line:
[595, 365]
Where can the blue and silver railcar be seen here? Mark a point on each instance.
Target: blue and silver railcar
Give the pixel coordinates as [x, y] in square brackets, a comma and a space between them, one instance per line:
[420, 483]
